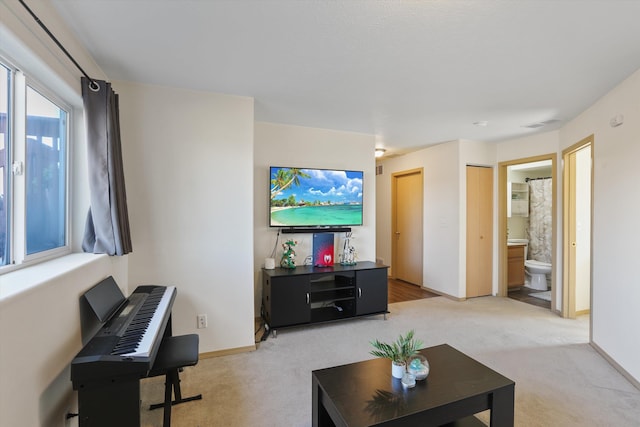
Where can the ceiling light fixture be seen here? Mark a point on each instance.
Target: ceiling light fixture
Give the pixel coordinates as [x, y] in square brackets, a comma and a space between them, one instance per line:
[380, 152]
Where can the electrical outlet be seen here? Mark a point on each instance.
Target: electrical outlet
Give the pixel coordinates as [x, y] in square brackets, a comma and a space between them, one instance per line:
[202, 321]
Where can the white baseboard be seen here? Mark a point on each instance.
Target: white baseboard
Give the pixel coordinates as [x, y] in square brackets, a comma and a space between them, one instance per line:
[615, 364]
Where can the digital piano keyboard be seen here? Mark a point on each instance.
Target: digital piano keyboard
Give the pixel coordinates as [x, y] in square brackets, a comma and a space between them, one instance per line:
[108, 369]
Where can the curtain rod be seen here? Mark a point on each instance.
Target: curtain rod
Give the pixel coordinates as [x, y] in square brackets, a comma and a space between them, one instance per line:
[93, 85]
[534, 179]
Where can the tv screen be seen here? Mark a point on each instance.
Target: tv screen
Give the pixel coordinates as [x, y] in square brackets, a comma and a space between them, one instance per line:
[315, 197]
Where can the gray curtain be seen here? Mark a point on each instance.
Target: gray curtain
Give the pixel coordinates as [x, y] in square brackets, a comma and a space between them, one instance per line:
[107, 227]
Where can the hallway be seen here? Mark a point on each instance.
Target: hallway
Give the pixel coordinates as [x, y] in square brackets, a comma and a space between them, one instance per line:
[400, 291]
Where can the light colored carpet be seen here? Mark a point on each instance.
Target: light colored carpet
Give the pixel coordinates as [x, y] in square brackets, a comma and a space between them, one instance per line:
[546, 295]
[560, 379]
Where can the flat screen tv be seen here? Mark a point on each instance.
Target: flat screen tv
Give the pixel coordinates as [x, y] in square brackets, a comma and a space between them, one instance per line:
[314, 197]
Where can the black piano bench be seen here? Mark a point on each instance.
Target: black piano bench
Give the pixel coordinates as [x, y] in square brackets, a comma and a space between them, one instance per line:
[174, 354]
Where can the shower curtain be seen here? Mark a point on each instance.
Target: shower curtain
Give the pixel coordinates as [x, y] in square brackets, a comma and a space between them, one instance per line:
[540, 223]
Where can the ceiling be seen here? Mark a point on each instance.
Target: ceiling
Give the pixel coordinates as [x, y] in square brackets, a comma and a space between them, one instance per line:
[413, 73]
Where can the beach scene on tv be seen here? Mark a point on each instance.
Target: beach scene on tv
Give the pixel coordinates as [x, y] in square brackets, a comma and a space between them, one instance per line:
[315, 197]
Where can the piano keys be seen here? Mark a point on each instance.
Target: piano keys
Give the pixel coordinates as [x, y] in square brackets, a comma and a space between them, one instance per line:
[108, 369]
[140, 335]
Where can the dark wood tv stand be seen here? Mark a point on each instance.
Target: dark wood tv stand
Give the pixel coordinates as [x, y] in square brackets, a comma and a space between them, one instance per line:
[308, 294]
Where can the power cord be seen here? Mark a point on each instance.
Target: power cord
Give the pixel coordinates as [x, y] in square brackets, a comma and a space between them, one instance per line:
[263, 324]
[265, 334]
[275, 245]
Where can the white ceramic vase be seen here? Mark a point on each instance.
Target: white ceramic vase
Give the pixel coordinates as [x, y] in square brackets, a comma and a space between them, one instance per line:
[397, 371]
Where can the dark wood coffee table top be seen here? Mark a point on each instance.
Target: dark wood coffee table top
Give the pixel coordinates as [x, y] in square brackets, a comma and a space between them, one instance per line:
[365, 393]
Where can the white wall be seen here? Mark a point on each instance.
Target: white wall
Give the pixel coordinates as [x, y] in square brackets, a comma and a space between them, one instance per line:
[40, 335]
[441, 205]
[188, 160]
[615, 293]
[444, 225]
[296, 146]
[530, 146]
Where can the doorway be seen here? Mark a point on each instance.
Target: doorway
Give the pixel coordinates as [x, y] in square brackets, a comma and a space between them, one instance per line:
[513, 225]
[406, 218]
[576, 218]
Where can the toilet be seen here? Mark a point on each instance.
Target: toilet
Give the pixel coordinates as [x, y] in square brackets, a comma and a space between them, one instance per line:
[538, 271]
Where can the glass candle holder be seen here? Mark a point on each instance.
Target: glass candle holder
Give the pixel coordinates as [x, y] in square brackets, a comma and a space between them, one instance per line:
[408, 380]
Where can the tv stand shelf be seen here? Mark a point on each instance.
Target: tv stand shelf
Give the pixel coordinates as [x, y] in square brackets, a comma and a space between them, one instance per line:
[308, 294]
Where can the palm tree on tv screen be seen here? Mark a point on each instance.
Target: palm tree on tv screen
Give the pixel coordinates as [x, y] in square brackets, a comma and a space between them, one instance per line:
[284, 178]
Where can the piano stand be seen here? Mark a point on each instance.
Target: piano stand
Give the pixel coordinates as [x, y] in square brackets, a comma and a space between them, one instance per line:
[110, 403]
[174, 354]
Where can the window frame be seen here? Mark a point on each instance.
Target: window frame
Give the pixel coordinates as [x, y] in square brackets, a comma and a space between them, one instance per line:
[16, 123]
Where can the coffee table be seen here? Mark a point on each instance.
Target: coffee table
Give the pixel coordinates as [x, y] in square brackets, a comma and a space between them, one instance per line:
[365, 394]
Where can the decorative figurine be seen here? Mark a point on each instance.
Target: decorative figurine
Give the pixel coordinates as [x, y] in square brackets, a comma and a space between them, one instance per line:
[348, 251]
[288, 259]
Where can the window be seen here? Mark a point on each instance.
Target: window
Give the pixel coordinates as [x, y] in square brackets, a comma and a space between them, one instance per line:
[5, 83]
[45, 170]
[34, 129]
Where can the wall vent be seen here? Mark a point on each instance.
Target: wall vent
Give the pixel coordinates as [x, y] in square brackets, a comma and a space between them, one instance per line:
[378, 169]
[541, 124]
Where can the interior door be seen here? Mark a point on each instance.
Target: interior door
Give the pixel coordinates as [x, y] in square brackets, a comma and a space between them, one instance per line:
[479, 231]
[407, 226]
[577, 217]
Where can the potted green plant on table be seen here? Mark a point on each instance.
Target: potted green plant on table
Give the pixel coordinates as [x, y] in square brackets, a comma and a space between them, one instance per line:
[399, 352]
